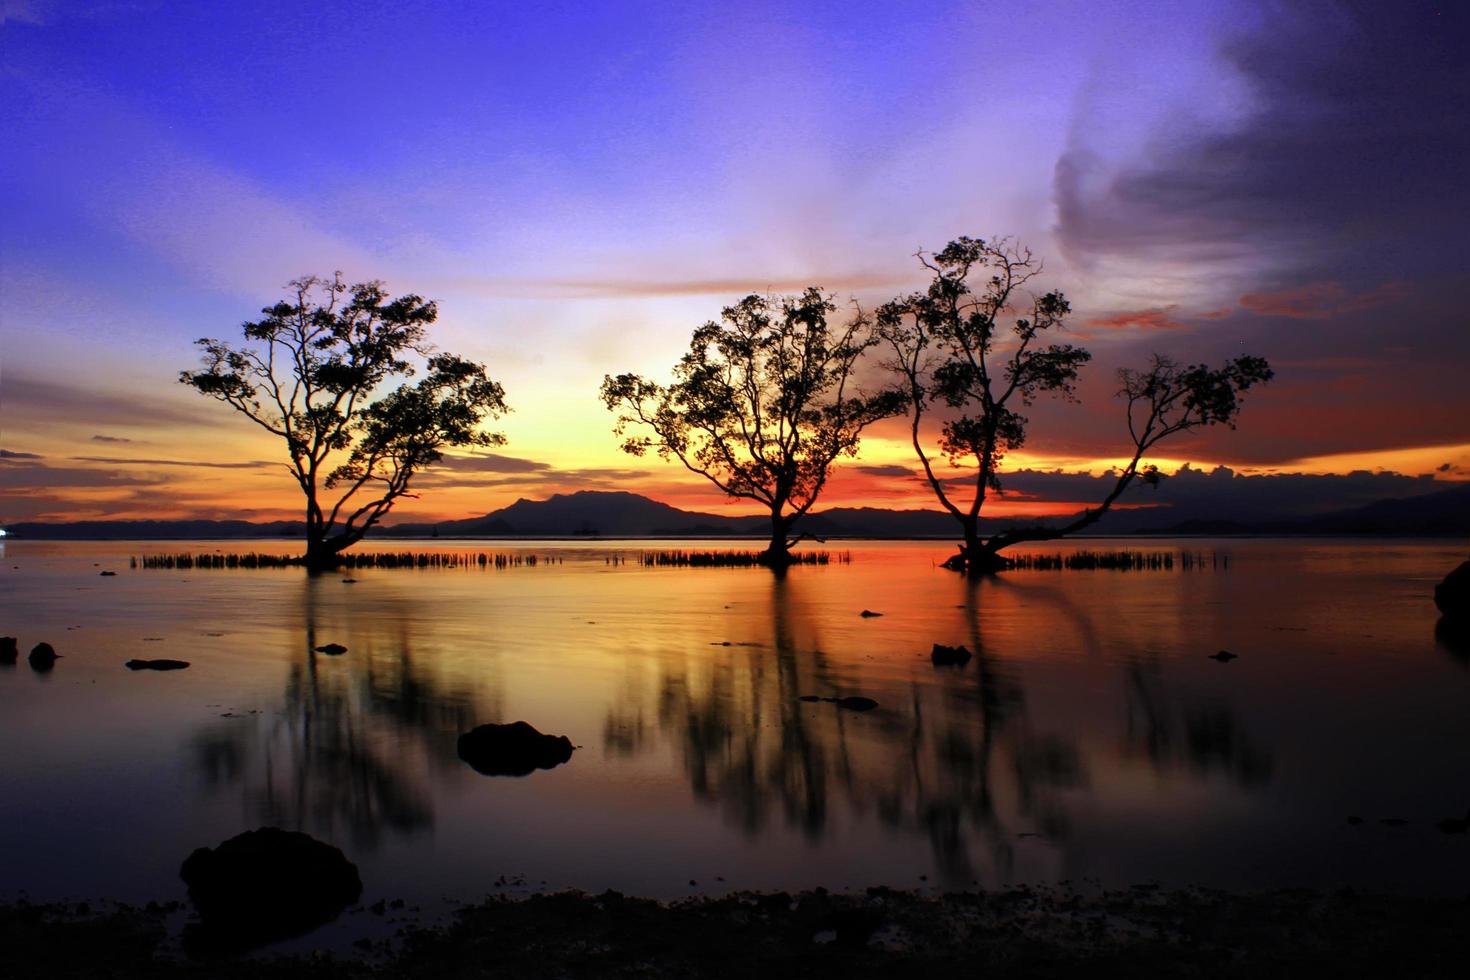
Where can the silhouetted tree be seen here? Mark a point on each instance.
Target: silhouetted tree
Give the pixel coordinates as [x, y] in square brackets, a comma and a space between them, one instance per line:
[309, 373]
[953, 346]
[762, 405]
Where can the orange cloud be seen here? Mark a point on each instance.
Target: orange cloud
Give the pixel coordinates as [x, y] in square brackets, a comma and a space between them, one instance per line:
[1318, 300]
[1159, 318]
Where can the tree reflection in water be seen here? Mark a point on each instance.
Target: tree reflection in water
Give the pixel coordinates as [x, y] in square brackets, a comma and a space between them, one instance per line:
[347, 753]
[928, 766]
[958, 759]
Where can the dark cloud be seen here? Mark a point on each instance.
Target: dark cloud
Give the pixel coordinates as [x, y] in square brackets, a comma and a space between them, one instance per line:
[1216, 494]
[1353, 162]
[8, 454]
[39, 477]
[253, 464]
[592, 478]
[491, 463]
[57, 401]
[118, 439]
[884, 470]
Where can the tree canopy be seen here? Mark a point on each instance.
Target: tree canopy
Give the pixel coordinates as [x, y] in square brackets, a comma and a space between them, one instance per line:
[315, 371]
[974, 347]
[761, 405]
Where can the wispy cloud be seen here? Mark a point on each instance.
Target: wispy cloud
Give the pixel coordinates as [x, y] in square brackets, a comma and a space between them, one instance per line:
[87, 403]
[253, 464]
[1159, 318]
[1319, 300]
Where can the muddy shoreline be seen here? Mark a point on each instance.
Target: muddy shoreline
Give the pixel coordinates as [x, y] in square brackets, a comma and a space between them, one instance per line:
[1023, 932]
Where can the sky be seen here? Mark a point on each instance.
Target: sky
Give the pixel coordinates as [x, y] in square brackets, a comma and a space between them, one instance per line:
[580, 185]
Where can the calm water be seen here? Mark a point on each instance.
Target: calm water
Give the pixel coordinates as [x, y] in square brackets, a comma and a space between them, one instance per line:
[1090, 739]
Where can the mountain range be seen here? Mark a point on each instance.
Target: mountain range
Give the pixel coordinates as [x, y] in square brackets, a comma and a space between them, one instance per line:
[590, 513]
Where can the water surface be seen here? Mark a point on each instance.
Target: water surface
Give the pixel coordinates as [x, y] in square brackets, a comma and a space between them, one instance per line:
[1090, 739]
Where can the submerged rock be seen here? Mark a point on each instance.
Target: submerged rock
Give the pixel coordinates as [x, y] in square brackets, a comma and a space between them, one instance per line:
[943, 656]
[43, 657]
[9, 649]
[332, 649]
[156, 664]
[1450, 825]
[266, 885]
[869, 614]
[1224, 656]
[107, 574]
[1452, 596]
[512, 750]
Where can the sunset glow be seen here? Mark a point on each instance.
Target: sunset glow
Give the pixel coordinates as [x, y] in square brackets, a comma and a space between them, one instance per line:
[580, 198]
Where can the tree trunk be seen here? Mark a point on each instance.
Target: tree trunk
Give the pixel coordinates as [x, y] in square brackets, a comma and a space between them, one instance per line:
[321, 554]
[777, 553]
[321, 551]
[975, 557]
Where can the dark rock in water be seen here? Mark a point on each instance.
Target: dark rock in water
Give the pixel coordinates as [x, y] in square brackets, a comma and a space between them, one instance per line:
[1452, 826]
[332, 649]
[43, 657]
[106, 574]
[944, 656]
[869, 614]
[9, 649]
[1394, 822]
[1453, 636]
[266, 885]
[156, 664]
[1355, 821]
[1452, 596]
[349, 581]
[808, 697]
[1224, 656]
[512, 750]
[856, 703]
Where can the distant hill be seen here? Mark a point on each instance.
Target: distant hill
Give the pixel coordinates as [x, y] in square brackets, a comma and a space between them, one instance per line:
[157, 530]
[623, 515]
[1444, 513]
[587, 512]
[620, 514]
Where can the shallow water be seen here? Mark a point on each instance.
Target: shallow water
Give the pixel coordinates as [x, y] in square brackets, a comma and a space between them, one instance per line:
[1091, 738]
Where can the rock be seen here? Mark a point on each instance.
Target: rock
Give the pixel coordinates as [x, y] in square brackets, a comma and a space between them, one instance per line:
[512, 750]
[332, 649]
[266, 885]
[943, 656]
[1224, 656]
[43, 657]
[856, 703]
[107, 574]
[1452, 596]
[156, 664]
[808, 697]
[1452, 826]
[9, 649]
[869, 614]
